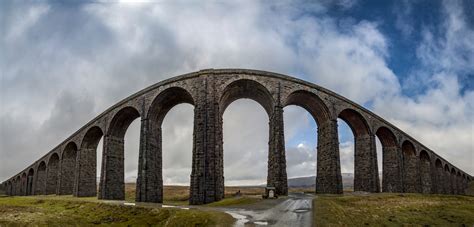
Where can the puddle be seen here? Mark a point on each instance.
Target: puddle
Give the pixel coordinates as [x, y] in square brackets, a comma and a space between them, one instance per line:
[301, 210]
[170, 206]
[129, 204]
[241, 219]
[260, 222]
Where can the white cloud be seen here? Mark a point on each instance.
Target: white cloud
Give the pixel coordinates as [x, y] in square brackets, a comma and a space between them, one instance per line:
[442, 115]
[75, 64]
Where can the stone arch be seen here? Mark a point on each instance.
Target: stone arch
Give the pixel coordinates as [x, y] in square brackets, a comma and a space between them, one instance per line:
[365, 156]
[328, 173]
[459, 185]
[52, 174]
[23, 188]
[12, 192]
[151, 176]
[311, 103]
[391, 180]
[68, 169]
[40, 188]
[410, 168]
[250, 89]
[112, 182]
[121, 120]
[9, 187]
[18, 185]
[356, 122]
[29, 181]
[447, 180]
[165, 101]
[464, 182]
[86, 181]
[453, 181]
[439, 183]
[425, 172]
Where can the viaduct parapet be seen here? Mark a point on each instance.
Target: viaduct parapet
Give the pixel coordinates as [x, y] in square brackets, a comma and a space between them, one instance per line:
[70, 168]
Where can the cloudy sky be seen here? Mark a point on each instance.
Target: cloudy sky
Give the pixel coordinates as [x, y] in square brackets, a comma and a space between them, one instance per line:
[61, 64]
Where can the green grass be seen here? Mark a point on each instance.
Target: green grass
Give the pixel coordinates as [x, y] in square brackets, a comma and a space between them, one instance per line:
[67, 211]
[235, 201]
[393, 210]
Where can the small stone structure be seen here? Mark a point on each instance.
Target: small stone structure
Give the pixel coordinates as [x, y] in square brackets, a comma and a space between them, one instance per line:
[70, 168]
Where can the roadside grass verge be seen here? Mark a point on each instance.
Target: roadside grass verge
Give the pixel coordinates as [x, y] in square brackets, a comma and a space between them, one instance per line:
[67, 211]
[393, 210]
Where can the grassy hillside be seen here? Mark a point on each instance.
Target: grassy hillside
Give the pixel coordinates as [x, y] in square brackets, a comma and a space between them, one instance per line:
[67, 211]
[393, 210]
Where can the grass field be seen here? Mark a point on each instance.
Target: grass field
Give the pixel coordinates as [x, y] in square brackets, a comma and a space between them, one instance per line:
[179, 195]
[67, 211]
[393, 210]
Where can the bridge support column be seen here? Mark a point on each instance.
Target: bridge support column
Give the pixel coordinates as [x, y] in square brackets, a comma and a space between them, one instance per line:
[365, 164]
[85, 182]
[150, 178]
[328, 177]
[112, 184]
[391, 181]
[276, 176]
[207, 176]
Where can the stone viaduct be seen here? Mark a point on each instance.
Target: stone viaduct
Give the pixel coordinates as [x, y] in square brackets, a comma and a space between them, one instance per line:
[70, 168]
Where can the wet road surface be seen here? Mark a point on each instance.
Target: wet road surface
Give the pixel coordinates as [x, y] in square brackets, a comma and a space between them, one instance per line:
[295, 210]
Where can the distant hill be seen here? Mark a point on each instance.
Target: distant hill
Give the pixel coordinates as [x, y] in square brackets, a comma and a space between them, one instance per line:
[304, 182]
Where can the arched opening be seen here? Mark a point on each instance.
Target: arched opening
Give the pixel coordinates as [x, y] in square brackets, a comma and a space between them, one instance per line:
[304, 112]
[87, 164]
[23, 188]
[447, 180]
[40, 188]
[52, 174]
[391, 181]
[245, 140]
[410, 168]
[9, 188]
[464, 183]
[365, 156]
[12, 192]
[177, 128]
[440, 189]
[114, 162]
[459, 183]
[346, 150]
[18, 185]
[29, 182]
[454, 188]
[245, 137]
[177, 131]
[425, 172]
[68, 169]
[300, 147]
[131, 159]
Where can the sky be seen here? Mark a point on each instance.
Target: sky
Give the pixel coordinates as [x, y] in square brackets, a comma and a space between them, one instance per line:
[63, 63]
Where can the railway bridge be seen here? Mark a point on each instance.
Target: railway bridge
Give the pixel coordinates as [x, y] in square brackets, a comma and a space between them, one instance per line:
[70, 167]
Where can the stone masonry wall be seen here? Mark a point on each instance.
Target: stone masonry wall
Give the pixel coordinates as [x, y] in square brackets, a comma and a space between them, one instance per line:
[76, 175]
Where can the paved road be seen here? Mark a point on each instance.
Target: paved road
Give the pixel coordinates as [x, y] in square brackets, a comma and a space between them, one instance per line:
[296, 210]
